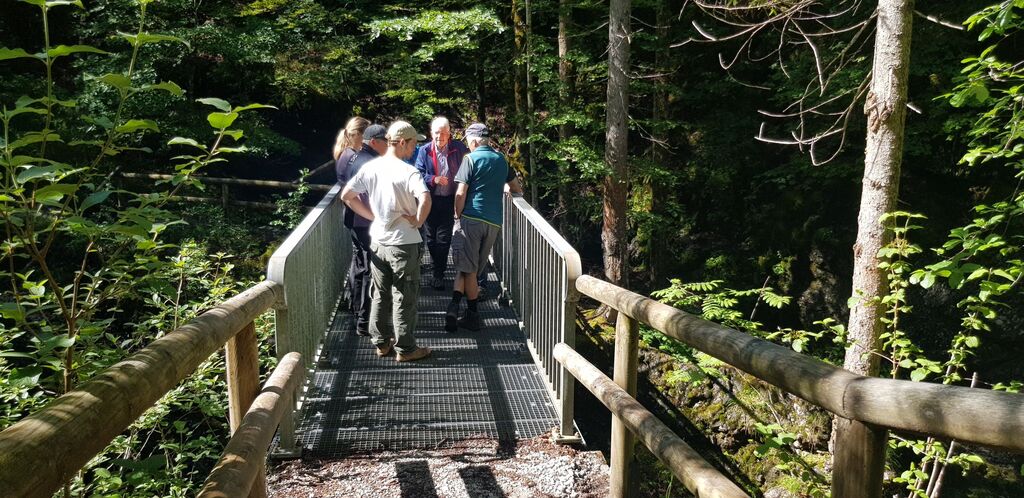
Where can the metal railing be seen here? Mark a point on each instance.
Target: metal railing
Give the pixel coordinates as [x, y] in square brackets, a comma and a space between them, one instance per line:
[968, 415]
[311, 265]
[538, 270]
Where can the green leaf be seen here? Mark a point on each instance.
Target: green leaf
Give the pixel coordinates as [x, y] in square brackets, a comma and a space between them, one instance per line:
[119, 81]
[235, 134]
[15, 53]
[185, 141]
[218, 103]
[147, 38]
[928, 280]
[55, 192]
[15, 354]
[94, 199]
[972, 341]
[167, 86]
[919, 374]
[62, 50]
[36, 172]
[11, 311]
[221, 120]
[253, 106]
[25, 377]
[138, 124]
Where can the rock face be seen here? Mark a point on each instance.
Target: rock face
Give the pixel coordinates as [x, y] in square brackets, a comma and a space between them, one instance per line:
[475, 468]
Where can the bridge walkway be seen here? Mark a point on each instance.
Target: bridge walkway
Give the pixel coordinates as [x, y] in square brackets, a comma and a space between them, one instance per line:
[475, 385]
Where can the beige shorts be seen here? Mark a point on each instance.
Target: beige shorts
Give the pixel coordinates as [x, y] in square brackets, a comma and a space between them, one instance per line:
[471, 244]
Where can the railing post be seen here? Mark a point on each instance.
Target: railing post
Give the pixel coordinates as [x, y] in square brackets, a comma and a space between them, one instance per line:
[859, 460]
[241, 358]
[627, 334]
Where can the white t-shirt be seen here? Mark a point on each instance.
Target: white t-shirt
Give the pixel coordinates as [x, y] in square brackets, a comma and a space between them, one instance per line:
[391, 186]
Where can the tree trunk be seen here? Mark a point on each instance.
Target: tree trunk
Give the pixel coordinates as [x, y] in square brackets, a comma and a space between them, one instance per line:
[565, 96]
[616, 184]
[519, 74]
[656, 248]
[886, 112]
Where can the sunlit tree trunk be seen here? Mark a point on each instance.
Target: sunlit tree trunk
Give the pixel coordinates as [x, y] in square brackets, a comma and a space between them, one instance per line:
[616, 183]
[656, 242]
[519, 72]
[886, 113]
[565, 96]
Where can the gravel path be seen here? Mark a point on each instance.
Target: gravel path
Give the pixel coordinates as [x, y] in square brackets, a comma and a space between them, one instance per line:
[475, 469]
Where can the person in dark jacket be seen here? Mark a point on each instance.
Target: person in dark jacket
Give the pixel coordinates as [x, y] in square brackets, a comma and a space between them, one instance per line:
[438, 162]
[373, 145]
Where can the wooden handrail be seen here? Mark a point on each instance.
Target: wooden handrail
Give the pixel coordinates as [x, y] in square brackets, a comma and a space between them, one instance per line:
[243, 457]
[233, 181]
[41, 452]
[694, 472]
[978, 416]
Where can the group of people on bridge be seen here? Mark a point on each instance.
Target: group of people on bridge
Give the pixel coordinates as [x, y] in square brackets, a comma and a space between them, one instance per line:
[398, 194]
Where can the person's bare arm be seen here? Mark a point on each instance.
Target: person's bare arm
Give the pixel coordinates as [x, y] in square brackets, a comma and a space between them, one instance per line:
[460, 199]
[422, 210]
[351, 199]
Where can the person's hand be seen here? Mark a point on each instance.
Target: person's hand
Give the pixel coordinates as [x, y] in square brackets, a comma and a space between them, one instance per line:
[441, 180]
[411, 219]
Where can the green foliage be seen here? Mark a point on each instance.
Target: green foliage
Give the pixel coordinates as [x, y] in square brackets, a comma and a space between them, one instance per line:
[89, 273]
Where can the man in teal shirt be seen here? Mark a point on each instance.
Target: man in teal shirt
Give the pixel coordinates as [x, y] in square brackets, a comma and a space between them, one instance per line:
[481, 181]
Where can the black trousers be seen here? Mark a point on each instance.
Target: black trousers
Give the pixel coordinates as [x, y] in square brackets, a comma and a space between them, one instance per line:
[359, 278]
[438, 231]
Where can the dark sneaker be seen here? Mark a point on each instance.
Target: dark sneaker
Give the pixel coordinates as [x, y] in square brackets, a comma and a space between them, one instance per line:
[418, 354]
[384, 349]
[471, 321]
[437, 283]
[451, 317]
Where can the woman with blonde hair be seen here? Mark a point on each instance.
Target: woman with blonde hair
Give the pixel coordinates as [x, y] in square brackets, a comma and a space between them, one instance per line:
[349, 141]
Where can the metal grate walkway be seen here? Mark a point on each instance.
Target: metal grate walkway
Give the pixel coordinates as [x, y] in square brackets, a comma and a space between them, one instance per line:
[475, 385]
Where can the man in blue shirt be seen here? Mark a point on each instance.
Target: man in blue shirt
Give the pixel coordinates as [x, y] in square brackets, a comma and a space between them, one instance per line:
[438, 163]
[481, 181]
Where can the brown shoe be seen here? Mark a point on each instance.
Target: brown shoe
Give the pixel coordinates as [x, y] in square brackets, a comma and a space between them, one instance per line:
[384, 349]
[419, 354]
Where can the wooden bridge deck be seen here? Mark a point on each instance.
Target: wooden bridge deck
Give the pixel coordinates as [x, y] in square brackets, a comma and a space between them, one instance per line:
[475, 385]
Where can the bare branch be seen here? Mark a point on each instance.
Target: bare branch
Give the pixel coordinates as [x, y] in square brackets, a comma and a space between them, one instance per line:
[940, 22]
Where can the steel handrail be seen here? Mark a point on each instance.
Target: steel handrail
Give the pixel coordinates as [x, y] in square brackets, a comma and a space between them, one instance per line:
[311, 265]
[538, 270]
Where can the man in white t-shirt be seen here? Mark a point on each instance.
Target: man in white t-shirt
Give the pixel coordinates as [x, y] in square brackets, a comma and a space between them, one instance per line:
[398, 204]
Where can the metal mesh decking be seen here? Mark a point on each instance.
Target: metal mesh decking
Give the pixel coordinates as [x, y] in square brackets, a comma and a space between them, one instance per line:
[475, 384]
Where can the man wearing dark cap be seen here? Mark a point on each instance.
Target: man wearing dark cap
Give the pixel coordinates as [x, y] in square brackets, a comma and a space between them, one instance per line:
[481, 180]
[374, 145]
[397, 203]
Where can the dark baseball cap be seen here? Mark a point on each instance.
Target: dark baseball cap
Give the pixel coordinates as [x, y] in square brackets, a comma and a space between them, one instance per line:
[375, 132]
[477, 130]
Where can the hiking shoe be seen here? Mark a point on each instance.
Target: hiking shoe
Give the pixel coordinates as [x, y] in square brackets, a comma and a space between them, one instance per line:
[384, 349]
[418, 354]
[471, 321]
[451, 316]
[437, 283]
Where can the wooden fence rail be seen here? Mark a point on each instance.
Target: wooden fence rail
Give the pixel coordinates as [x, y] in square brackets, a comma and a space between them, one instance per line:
[699, 477]
[241, 465]
[979, 416]
[41, 452]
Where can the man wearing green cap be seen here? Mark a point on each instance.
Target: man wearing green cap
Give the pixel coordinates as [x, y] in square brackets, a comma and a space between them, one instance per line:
[398, 203]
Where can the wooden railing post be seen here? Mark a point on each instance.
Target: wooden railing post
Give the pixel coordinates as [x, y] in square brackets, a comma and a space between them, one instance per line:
[859, 460]
[627, 335]
[241, 358]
